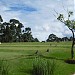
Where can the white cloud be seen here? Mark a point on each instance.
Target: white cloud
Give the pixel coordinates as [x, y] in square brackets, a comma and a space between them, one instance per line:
[46, 27]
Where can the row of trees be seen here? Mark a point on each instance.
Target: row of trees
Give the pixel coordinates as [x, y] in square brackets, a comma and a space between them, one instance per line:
[12, 32]
[54, 38]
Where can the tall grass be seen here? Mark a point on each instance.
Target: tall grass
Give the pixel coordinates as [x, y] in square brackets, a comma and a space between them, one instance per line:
[43, 67]
[3, 68]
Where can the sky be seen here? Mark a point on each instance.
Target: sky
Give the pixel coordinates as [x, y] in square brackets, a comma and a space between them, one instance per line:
[39, 15]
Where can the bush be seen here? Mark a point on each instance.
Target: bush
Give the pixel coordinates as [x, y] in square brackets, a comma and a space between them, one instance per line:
[43, 67]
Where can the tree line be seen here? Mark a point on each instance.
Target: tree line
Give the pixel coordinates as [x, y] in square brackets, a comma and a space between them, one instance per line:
[54, 38]
[12, 32]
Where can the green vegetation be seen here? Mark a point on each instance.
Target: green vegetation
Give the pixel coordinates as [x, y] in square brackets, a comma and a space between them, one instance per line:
[19, 57]
[43, 67]
[3, 68]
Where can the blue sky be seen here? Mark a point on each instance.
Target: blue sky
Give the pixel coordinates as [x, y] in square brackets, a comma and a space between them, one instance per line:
[39, 15]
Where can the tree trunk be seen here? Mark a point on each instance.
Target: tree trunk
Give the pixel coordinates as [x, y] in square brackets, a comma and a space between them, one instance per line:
[72, 51]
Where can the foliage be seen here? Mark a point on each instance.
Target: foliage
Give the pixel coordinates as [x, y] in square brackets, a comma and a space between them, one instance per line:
[36, 40]
[52, 38]
[27, 36]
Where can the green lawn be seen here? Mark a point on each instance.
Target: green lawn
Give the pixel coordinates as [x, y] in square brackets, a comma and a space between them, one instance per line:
[20, 56]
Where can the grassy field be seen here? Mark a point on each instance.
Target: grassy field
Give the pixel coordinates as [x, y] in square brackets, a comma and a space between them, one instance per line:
[19, 57]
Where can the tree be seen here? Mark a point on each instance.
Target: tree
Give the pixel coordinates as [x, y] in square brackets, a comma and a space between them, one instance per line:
[10, 31]
[27, 36]
[7, 37]
[71, 25]
[1, 20]
[52, 38]
[65, 39]
[15, 27]
[36, 40]
[28, 30]
[1, 28]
